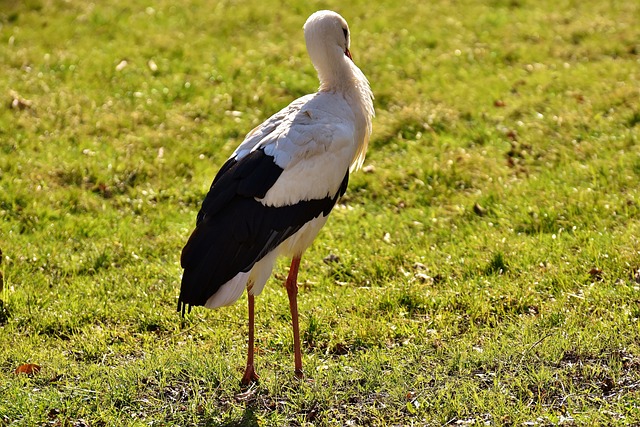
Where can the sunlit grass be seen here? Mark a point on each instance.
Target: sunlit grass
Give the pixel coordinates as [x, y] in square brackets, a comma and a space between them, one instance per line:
[486, 263]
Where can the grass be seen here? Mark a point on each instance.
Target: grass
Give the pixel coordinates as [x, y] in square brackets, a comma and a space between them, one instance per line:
[488, 260]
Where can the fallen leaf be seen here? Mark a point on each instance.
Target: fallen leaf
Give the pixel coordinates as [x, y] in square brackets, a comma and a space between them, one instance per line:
[340, 349]
[103, 189]
[331, 258]
[122, 65]
[596, 273]
[28, 369]
[423, 277]
[512, 135]
[369, 169]
[479, 210]
[419, 266]
[18, 102]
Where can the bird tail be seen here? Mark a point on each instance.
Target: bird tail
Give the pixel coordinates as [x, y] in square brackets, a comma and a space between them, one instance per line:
[229, 292]
[226, 294]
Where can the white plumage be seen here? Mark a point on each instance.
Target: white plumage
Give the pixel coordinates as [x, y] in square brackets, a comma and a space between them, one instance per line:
[313, 141]
[275, 192]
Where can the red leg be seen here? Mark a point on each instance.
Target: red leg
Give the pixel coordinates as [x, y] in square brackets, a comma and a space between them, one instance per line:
[292, 292]
[250, 372]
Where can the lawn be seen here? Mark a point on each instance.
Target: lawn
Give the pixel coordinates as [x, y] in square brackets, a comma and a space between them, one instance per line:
[483, 268]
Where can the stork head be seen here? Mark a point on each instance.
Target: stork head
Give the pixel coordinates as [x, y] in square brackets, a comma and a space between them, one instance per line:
[327, 36]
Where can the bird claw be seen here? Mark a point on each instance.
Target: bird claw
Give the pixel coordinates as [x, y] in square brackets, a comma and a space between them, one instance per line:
[250, 377]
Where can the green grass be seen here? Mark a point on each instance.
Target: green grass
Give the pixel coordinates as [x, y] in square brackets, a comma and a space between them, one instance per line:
[488, 264]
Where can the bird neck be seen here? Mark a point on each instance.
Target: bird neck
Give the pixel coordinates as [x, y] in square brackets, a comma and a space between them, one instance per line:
[347, 79]
[336, 73]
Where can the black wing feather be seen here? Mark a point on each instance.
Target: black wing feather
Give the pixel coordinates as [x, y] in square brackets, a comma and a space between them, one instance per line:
[234, 230]
[250, 177]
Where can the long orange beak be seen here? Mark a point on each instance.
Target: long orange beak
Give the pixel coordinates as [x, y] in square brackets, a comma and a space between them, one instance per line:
[348, 53]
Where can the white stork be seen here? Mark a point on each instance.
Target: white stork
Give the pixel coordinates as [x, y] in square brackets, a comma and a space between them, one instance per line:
[275, 192]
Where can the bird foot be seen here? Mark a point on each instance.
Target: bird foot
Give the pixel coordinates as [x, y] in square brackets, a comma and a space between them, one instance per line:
[249, 376]
[300, 378]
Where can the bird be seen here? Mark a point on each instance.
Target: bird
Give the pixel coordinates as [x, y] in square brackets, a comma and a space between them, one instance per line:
[276, 190]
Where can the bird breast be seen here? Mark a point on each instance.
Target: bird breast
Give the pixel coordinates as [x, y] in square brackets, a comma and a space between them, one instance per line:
[315, 150]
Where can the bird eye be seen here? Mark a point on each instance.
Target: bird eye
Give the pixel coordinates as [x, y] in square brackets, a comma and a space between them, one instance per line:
[346, 33]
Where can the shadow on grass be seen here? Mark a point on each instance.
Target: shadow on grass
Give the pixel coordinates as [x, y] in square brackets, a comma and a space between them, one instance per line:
[248, 419]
